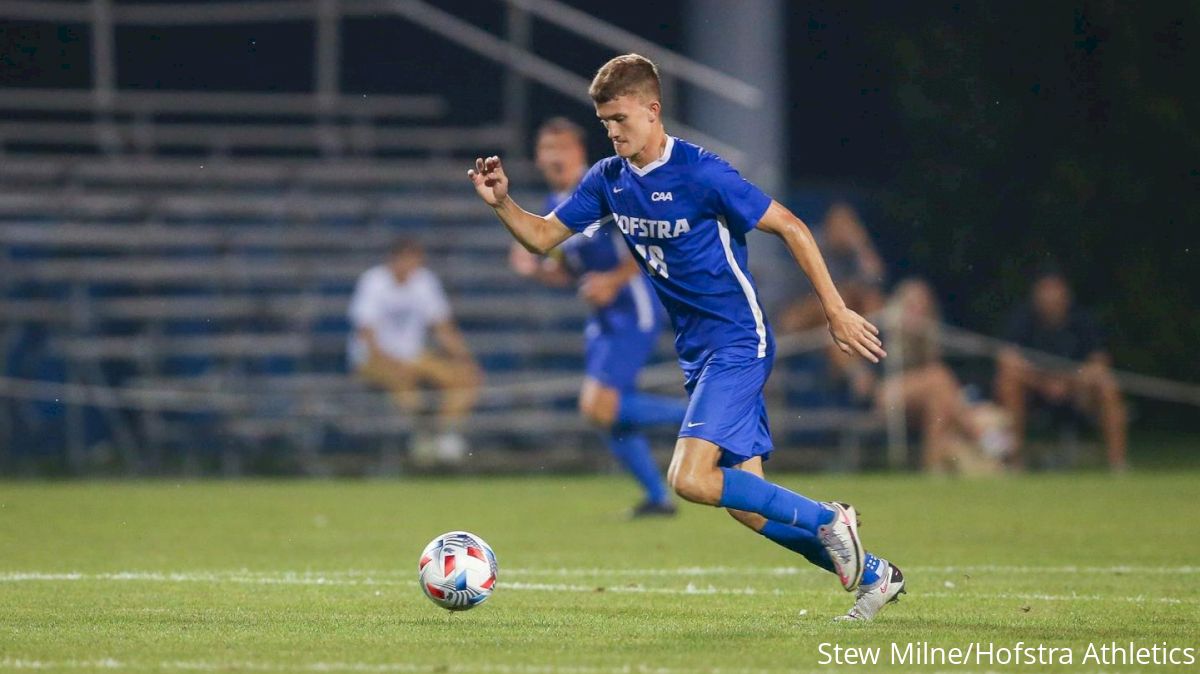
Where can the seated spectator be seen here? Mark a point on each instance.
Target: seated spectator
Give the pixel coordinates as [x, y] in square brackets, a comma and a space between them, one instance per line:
[854, 265]
[952, 432]
[394, 306]
[1051, 324]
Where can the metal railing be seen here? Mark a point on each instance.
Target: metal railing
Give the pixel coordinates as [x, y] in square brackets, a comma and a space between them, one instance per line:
[275, 104]
[240, 395]
[511, 51]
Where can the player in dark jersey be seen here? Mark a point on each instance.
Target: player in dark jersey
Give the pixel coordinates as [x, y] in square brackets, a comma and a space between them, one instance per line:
[685, 213]
[623, 325]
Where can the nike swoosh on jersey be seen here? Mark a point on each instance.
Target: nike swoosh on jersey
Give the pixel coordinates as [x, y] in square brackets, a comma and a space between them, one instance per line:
[617, 189]
[693, 425]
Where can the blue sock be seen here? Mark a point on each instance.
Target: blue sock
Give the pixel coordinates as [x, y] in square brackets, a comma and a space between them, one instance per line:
[799, 540]
[870, 569]
[806, 543]
[749, 492]
[633, 451]
[644, 409]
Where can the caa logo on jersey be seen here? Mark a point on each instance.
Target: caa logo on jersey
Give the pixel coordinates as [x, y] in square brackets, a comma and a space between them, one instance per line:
[660, 196]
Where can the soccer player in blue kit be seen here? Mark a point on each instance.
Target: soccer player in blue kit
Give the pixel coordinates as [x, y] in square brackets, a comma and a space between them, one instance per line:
[684, 213]
[623, 325]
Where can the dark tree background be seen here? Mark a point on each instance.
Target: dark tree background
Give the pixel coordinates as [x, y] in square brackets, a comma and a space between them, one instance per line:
[1002, 136]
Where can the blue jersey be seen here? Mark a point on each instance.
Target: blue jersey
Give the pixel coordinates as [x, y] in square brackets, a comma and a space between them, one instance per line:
[634, 306]
[685, 217]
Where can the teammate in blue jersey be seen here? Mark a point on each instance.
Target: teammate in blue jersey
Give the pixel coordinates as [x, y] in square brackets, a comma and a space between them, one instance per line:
[685, 214]
[622, 327]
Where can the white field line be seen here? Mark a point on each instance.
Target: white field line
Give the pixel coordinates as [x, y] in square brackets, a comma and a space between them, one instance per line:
[794, 570]
[243, 577]
[684, 571]
[305, 579]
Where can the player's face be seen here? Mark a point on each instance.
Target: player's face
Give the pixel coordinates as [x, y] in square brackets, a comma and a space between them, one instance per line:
[630, 122]
[560, 158]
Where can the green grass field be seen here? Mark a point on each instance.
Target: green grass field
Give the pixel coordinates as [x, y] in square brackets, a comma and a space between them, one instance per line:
[320, 576]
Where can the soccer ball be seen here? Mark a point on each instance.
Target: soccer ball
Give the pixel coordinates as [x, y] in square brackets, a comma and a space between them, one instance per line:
[457, 571]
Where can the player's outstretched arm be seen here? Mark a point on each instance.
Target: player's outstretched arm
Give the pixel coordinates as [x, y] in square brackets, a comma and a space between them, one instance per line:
[852, 333]
[537, 233]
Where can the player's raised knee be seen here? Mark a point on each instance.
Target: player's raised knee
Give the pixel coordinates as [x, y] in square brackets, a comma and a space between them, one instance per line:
[697, 486]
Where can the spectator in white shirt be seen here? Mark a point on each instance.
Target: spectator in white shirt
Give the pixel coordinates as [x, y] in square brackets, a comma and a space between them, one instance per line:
[395, 306]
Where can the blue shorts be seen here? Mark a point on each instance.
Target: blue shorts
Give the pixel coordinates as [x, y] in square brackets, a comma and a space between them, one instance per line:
[614, 354]
[726, 406]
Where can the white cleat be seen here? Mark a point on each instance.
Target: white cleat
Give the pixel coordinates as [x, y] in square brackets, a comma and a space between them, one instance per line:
[840, 538]
[872, 598]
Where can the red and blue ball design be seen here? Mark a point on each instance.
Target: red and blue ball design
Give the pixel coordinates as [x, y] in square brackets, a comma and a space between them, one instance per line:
[457, 571]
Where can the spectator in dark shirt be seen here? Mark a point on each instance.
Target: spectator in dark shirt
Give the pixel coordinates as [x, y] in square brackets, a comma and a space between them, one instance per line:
[1051, 324]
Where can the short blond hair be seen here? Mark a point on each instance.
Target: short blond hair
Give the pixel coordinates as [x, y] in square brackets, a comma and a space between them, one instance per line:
[626, 75]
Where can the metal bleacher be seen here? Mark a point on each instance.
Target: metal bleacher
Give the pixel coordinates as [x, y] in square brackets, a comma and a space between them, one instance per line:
[179, 263]
[175, 266]
[129, 265]
[234, 275]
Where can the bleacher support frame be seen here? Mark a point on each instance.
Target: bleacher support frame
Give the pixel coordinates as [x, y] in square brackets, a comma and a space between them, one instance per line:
[326, 100]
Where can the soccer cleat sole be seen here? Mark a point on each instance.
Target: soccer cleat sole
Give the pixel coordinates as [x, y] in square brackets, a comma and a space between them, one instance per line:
[859, 551]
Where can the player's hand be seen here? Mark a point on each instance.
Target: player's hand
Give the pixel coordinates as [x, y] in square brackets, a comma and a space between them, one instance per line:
[599, 289]
[490, 181]
[855, 335]
[523, 262]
